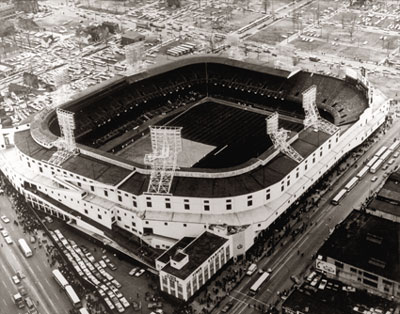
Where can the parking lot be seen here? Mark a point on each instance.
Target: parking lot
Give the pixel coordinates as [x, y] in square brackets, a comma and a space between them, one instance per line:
[114, 277]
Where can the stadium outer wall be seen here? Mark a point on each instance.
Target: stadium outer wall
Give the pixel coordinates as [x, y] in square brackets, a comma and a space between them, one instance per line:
[47, 189]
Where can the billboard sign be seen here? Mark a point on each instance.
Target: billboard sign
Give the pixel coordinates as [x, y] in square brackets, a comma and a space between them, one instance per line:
[325, 267]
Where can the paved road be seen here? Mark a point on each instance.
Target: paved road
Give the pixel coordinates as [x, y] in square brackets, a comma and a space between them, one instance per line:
[286, 261]
[38, 282]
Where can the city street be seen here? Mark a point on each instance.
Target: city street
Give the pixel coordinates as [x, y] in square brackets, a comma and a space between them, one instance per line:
[38, 281]
[295, 256]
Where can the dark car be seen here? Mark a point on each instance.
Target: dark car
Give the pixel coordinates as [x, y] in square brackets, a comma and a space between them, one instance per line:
[227, 307]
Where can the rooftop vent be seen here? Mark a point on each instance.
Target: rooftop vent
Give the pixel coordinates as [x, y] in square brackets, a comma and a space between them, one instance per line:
[377, 262]
[374, 238]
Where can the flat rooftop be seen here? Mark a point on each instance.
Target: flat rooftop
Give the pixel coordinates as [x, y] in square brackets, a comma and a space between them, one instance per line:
[367, 242]
[301, 302]
[333, 300]
[388, 198]
[26, 144]
[198, 250]
[82, 165]
[274, 171]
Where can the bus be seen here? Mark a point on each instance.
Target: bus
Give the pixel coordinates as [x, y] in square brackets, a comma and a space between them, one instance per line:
[394, 146]
[60, 279]
[362, 172]
[375, 167]
[338, 197]
[385, 156]
[372, 161]
[381, 151]
[351, 184]
[256, 286]
[24, 247]
[76, 302]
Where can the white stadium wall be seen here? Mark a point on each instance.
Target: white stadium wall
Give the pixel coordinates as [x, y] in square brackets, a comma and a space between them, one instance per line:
[131, 212]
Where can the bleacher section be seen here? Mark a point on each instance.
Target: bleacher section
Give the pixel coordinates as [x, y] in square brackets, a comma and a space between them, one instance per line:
[121, 108]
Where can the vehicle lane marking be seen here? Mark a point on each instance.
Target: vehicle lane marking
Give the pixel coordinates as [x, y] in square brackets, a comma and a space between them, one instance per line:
[250, 297]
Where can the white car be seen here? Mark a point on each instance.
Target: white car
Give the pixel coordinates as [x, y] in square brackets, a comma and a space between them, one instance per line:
[322, 284]
[102, 263]
[133, 271]
[15, 279]
[4, 233]
[109, 303]
[120, 308]
[8, 240]
[5, 219]
[314, 281]
[140, 273]
[124, 302]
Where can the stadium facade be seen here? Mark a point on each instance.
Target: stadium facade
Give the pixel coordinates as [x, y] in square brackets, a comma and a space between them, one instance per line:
[97, 189]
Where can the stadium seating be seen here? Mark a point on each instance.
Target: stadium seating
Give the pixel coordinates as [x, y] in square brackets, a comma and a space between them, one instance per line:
[120, 109]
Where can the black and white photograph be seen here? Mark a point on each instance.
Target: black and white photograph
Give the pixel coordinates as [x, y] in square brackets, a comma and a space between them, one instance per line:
[200, 156]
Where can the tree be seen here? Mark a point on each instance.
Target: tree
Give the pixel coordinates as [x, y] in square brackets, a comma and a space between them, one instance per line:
[7, 29]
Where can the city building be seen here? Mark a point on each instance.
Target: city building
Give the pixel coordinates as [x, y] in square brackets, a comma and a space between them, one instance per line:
[7, 10]
[334, 299]
[28, 6]
[386, 204]
[191, 262]
[131, 37]
[364, 251]
[217, 158]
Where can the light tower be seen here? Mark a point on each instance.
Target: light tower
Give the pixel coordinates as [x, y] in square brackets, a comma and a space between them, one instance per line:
[279, 138]
[61, 79]
[312, 117]
[66, 145]
[166, 143]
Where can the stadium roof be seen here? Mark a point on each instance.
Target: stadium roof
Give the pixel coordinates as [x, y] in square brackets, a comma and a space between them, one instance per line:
[85, 166]
[367, 242]
[257, 179]
[106, 171]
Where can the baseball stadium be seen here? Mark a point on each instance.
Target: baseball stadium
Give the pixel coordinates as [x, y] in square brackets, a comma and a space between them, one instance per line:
[202, 147]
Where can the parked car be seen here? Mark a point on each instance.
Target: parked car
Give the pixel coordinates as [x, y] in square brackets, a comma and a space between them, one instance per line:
[295, 279]
[311, 276]
[322, 284]
[154, 305]
[140, 273]
[8, 240]
[227, 307]
[22, 290]
[5, 219]
[112, 266]
[15, 279]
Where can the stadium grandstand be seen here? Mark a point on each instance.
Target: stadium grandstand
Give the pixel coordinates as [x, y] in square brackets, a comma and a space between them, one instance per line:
[206, 144]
